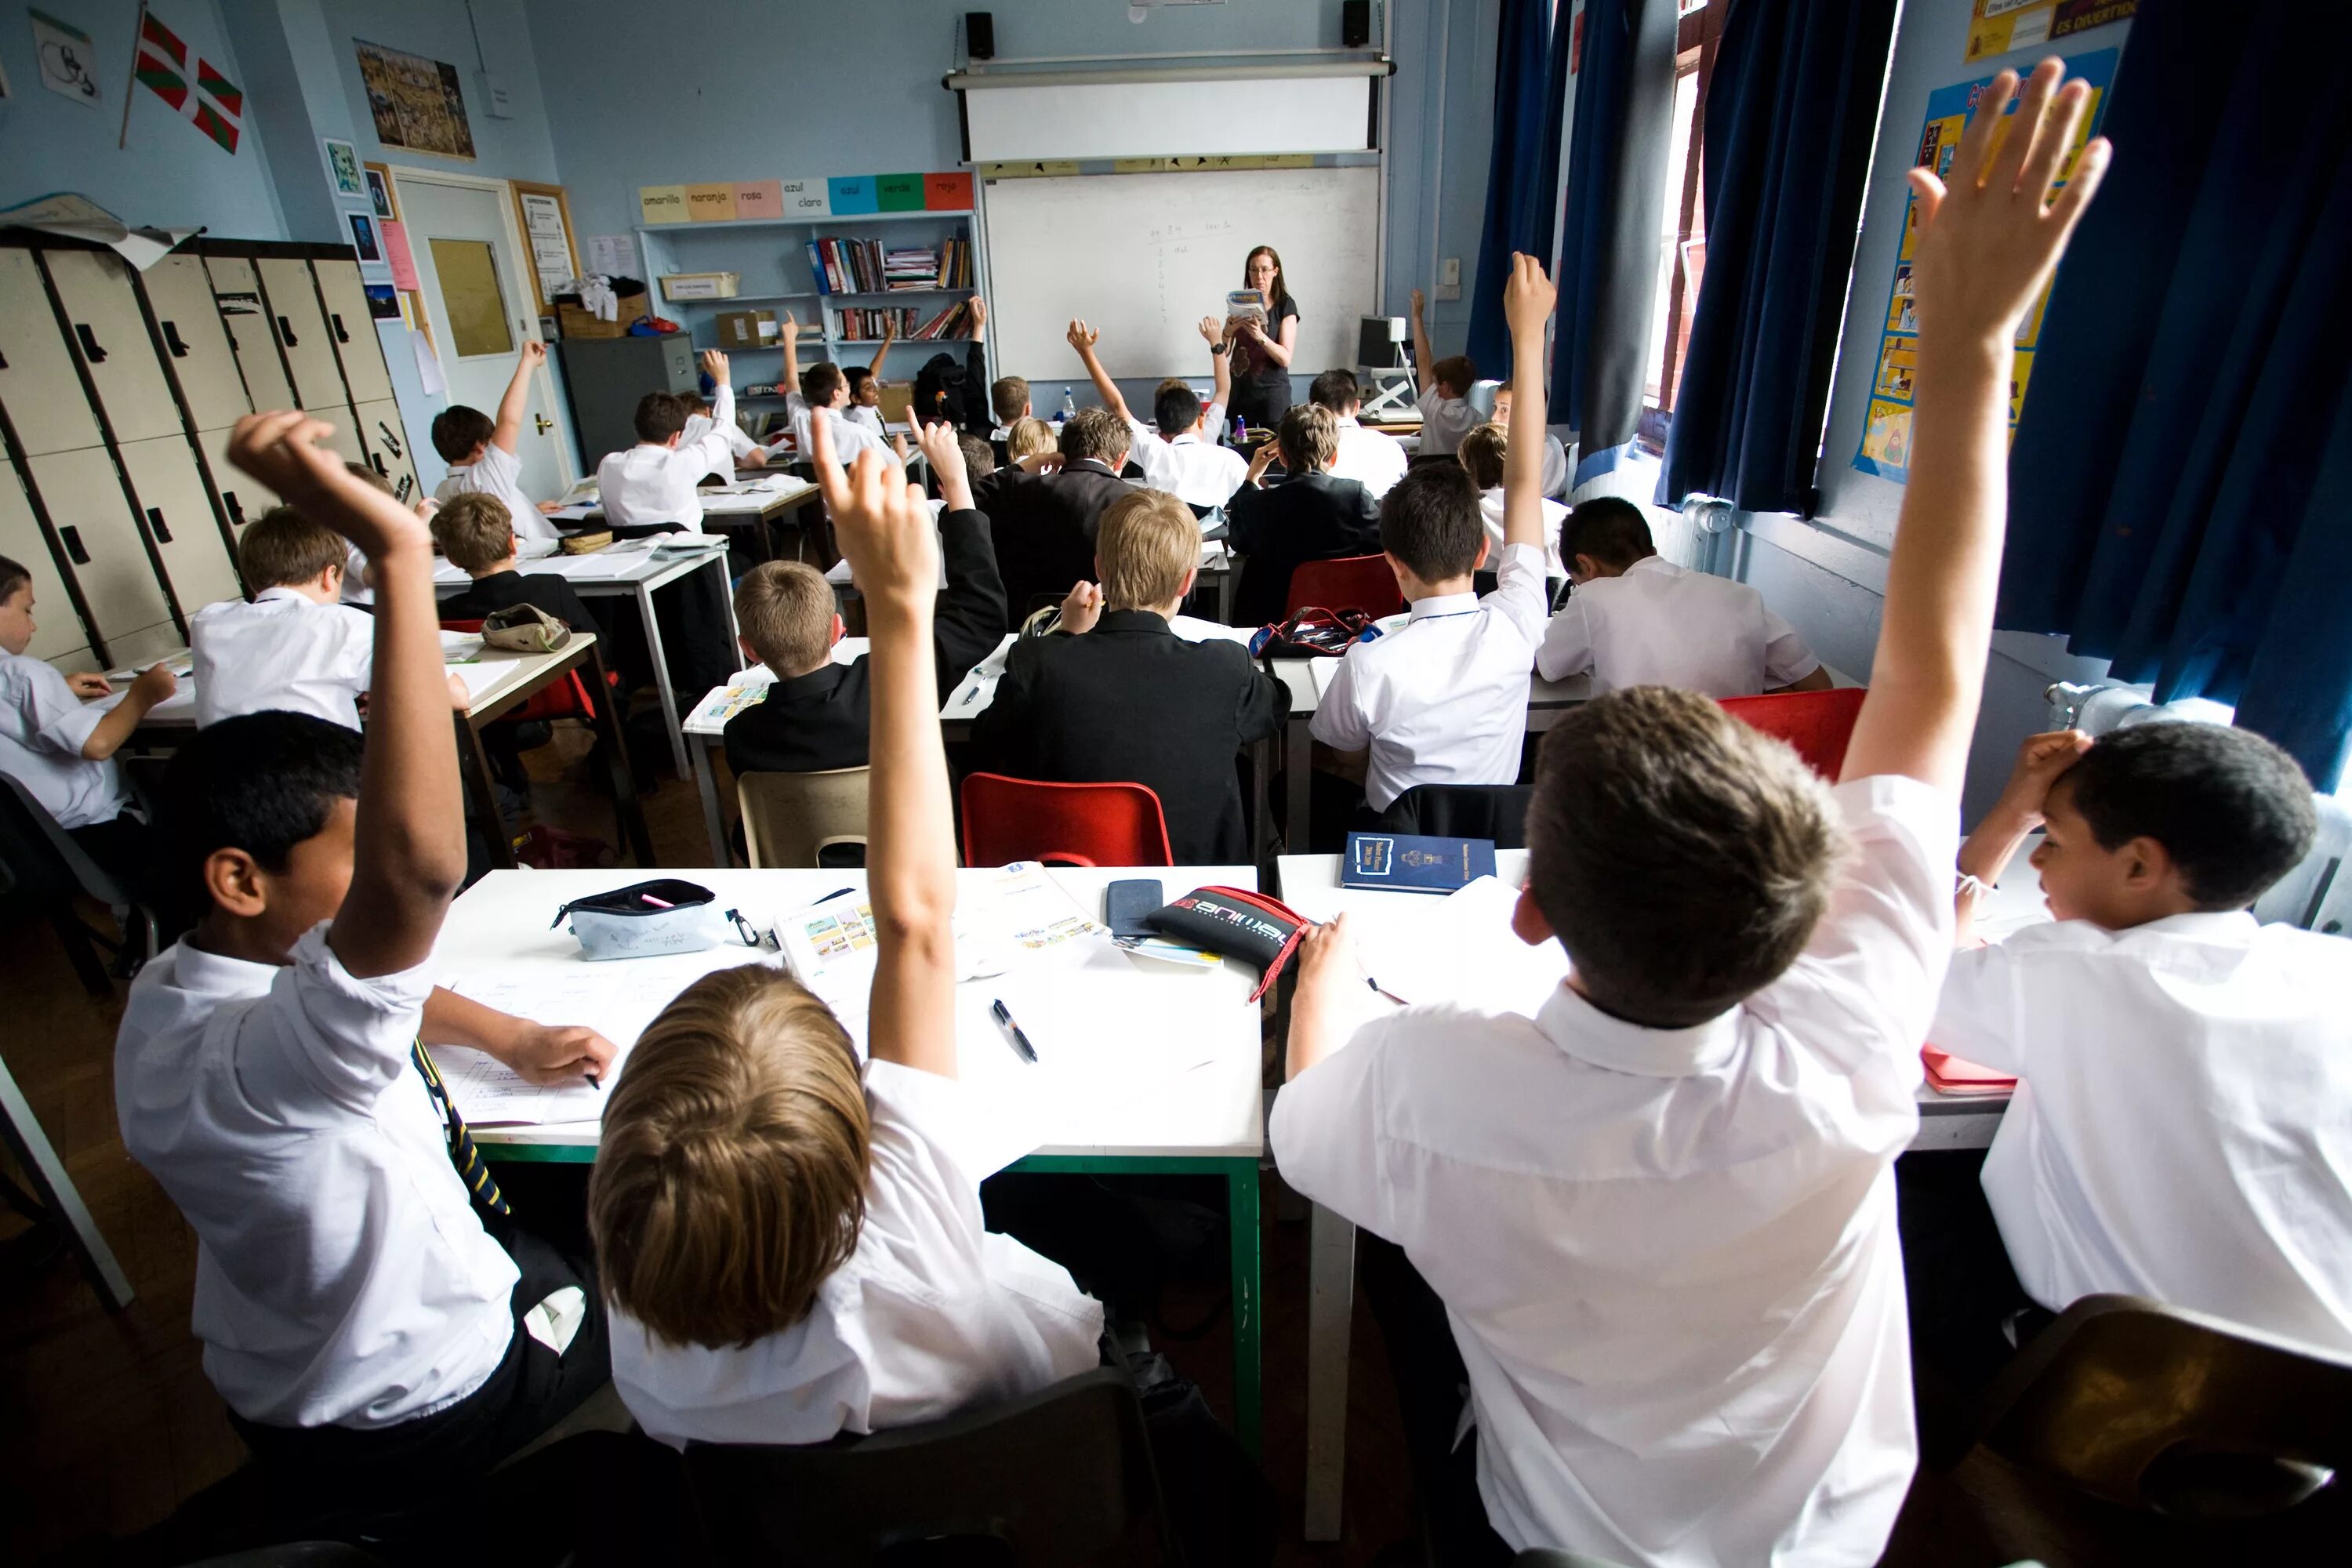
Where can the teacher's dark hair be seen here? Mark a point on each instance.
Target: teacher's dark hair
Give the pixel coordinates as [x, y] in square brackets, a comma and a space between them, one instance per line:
[1281, 289]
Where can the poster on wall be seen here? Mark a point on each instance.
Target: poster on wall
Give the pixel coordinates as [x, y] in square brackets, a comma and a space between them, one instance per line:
[415, 101]
[1886, 433]
[343, 162]
[67, 56]
[2000, 25]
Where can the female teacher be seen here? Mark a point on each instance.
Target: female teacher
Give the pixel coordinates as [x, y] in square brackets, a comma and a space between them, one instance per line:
[1261, 350]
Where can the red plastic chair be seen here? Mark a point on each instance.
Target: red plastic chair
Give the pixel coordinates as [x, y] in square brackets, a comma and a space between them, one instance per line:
[1349, 582]
[567, 698]
[1817, 723]
[1007, 819]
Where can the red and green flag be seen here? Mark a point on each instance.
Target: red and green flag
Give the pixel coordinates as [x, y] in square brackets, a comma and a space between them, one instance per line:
[205, 97]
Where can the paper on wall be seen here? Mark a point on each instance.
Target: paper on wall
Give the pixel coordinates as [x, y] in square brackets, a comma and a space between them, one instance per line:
[613, 255]
[428, 366]
[397, 254]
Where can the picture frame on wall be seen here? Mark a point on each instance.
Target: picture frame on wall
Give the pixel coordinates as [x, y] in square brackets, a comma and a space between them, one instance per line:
[379, 188]
[343, 164]
[363, 238]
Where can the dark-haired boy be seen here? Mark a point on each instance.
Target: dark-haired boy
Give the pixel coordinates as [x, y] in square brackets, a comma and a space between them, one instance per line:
[1445, 413]
[374, 1343]
[654, 482]
[2183, 1127]
[1373, 458]
[481, 451]
[478, 536]
[295, 646]
[1310, 515]
[1636, 619]
[1659, 1215]
[1178, 452]
[1042, 515]
[821, 391]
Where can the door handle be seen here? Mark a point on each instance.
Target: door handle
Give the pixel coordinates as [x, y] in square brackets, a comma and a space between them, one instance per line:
[341, 336]
[90, 349]
[172, 339]
[71, 537]
[286, 331]
[155, 522]
[543, 422]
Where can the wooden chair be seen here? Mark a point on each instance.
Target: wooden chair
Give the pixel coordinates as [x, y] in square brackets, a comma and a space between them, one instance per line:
[1347, 583]
[1007, 819]
[1817, 723]
[792, 819]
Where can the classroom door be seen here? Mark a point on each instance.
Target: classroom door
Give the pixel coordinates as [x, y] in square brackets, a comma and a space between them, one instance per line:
[478, 298]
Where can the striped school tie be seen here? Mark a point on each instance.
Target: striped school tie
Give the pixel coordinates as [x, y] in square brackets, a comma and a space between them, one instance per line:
[472, 1169]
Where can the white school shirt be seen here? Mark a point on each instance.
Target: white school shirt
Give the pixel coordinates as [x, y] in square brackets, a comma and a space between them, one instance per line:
[650, 484]
[499, 473]
[280, 651]
[739, 444]
[1659, 624]
[1373, 458]
[1443, 697]
[849, 437]
[1443, 422]
[43, 728]
[1490, 507]
[341, 1277]
[1197, 472]
[932, 1313]
[1669, 1257]
[2183, 1126]
[870, 418]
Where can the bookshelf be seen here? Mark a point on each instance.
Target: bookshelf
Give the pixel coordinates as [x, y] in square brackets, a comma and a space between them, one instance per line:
[771, 255]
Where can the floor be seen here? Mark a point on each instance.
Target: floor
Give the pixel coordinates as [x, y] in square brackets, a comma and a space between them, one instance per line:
[107, 1423]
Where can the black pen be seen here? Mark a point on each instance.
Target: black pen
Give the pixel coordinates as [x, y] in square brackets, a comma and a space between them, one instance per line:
[836, 893]
[595, 1082]
[1019, 1041]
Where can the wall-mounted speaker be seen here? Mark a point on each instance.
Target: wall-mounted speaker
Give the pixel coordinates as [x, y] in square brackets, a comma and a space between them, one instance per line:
[1356, 23]
[980, 34]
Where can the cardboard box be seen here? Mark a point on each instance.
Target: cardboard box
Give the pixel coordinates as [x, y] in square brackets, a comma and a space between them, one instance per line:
[576, 322]
[702, 285]
[747, 329]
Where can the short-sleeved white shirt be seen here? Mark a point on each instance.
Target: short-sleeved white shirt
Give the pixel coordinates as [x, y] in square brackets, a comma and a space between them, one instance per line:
[497, 472]
[1443, 422]
[2183, 1126]
[1443, 697]
[1196, 471]
[932, 1313]
[1373, 458]
[648, 484]
[43, 728]
[1660, 625]
[697, 425]
[341, 1277]
[1669, 1257]
[850, 436]
[280, 651]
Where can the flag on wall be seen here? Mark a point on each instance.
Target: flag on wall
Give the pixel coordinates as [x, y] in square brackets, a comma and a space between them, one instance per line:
[211, 103]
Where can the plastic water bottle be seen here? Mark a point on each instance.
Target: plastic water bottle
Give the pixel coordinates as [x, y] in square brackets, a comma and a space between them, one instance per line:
[1069, 405]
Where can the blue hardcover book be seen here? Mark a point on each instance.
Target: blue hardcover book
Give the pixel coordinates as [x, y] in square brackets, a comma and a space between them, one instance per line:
[1409, 863]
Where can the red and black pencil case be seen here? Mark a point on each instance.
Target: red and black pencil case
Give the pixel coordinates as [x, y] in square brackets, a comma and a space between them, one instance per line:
[1237, 924]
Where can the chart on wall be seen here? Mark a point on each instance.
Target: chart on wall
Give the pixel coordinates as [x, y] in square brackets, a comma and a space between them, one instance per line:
[1886, 433]
[1999, 26]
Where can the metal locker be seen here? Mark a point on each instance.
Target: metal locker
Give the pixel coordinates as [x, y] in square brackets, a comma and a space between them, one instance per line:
[243, 497]
[237, 288]
[346, 438]
[38, 383]
[387, 444]
[185, 313]
[103, 320]
[302, 332]
[180, 520]
[353, 329]
[103, 547]
[56, 629]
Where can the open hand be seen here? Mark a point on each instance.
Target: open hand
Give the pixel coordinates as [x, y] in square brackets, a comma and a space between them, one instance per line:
[1527, 297]
[1081, 336]
[944, 450]
[1209, 329]
[890, 327]
[282, 450]
[882, 522]
[561, 1053]
[1082, 608]
[1416, 302]
[714, 365]
[979, 315]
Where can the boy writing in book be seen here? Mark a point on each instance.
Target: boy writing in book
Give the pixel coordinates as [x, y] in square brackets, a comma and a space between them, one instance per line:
[1179, 452]
[481, 451]
[380, 1329]
[1659, 1215]
[1445, 413]
[792, 1242]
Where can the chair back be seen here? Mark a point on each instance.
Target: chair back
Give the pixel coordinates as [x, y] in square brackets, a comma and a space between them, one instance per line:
[2157, 1408]
[1498, 812]
[1064, 1474]
[1348, 583]
[1007, 819]
[789, 819]
[2316, 895]
[1817, 723]
[41, 859]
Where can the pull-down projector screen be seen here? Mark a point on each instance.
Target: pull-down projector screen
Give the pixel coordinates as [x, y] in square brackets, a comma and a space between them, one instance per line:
[1154, 114]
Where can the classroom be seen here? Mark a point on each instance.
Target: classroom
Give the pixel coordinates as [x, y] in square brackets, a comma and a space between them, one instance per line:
[1369, 782]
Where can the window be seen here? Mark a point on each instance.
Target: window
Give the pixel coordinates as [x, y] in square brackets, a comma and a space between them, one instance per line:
[1682, 233]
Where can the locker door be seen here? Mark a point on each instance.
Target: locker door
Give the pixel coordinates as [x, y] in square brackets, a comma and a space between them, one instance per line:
[56, 629]
[37, 383]
[179, 520]
[387, 443]
[303, 329]
[243, 497]
[353, 329]
[346, 438]
[198, 346]
[102, 316]
[237, 288]
[103, 547]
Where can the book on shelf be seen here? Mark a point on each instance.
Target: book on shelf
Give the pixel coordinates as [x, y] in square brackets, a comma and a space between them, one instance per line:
[864, 326]
[843, 266]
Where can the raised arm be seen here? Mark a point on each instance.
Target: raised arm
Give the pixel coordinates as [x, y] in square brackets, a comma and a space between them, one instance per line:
[890, 336]
[713, 452]
[1987, 244]
[408, 843]
[884, 528]
[1081, 337]
[1423, 357]
[1221, 364]
[790, 330]
[1527, 300]
[506, 434]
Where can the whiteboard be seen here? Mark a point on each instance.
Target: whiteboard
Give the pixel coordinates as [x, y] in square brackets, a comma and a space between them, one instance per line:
[1142, 257]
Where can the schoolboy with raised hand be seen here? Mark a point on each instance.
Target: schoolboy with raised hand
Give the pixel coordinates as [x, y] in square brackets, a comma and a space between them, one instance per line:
[1660, 1215]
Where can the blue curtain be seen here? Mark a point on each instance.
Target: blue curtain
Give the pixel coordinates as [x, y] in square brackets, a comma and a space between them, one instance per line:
[2181, 487]
[1791, 114]
[1523, 170]
[1609, 236]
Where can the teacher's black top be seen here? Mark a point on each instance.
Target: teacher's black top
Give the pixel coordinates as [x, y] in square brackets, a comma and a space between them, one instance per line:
[1261, 387]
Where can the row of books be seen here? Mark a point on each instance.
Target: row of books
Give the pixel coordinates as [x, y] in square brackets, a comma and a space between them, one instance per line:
[867, 326]
[869, 266]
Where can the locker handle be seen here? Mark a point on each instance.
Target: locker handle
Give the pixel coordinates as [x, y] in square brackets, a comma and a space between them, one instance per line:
[341, 336]
[71, 538]
[172, 339]
[90, 349]
[235, 508]
[155, 522]
[377, 458]
[286, 331]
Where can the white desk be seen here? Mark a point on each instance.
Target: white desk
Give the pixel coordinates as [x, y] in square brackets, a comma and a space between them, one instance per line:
[1208, 1120]
[748, 502]
[1215, 573]
[631, 568]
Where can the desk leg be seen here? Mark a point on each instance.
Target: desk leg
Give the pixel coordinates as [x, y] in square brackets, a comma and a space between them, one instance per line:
[474, 763]
[1261, 824]
[626, 811]
[662, 688]
[1330, 1314]
[1241, 1219]
[714, 821]
[38, 1160]
[1298, 771]
[1225, 596]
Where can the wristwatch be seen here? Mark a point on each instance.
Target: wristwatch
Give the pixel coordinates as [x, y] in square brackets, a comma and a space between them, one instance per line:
[1219, 348]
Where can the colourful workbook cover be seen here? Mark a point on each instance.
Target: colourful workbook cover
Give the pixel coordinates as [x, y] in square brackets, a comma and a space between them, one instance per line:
[1410, 863]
